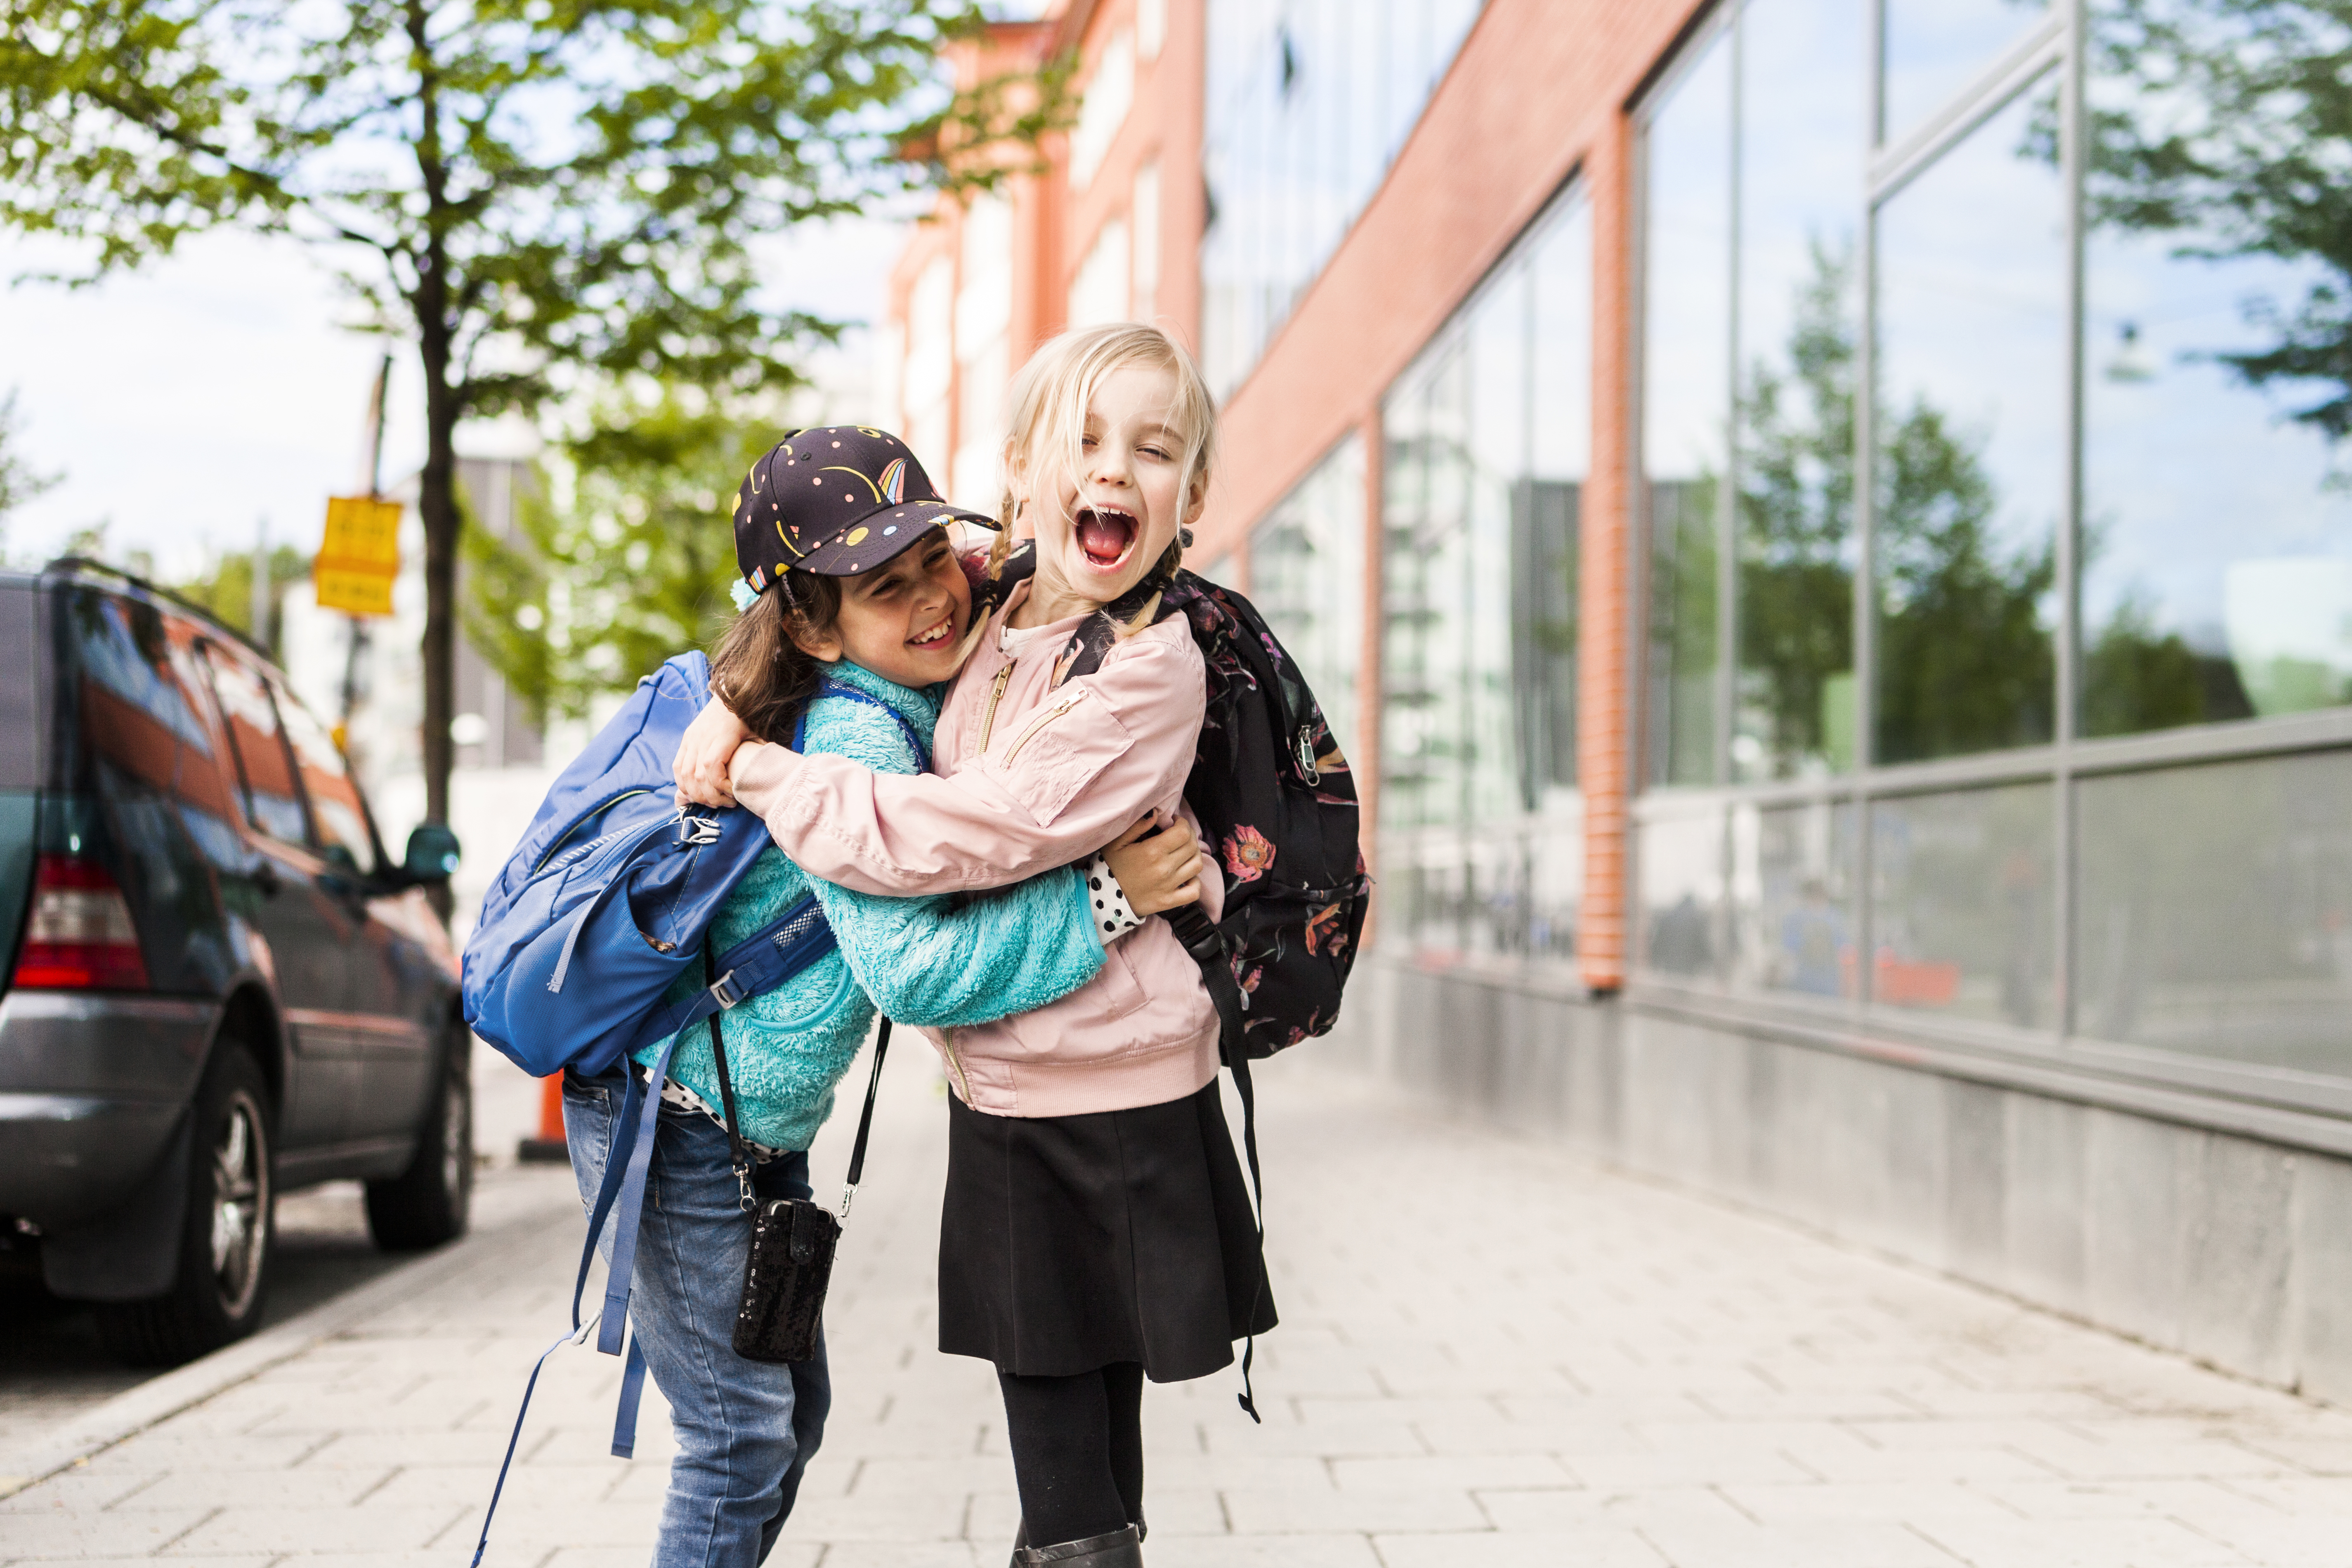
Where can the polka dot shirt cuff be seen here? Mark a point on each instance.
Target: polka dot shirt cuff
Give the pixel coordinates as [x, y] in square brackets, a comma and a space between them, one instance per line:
[1114, 916]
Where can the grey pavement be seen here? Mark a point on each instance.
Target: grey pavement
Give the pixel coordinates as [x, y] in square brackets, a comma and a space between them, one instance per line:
[1491, 1354]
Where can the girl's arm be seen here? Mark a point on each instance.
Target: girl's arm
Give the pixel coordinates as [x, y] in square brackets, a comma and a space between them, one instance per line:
[925, 960]
[929, 962]
[1111, 746]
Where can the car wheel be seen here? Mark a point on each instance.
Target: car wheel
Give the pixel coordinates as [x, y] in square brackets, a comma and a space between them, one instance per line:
[425, 1205]
[222, 1278]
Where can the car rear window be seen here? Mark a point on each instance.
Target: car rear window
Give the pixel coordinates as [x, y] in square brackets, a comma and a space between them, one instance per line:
[136, 682]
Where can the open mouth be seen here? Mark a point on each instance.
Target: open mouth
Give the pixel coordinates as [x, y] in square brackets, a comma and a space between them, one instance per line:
[938, 635]
[1106, 534]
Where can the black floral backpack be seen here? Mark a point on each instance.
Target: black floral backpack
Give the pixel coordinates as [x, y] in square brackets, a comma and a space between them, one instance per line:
[1277, 802]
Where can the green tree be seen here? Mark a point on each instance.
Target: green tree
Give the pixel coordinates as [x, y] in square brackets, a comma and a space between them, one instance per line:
[539, 195]
[225, 588]
[2236, 134]
[592, 594]
[1796, 523]
[1964, 659]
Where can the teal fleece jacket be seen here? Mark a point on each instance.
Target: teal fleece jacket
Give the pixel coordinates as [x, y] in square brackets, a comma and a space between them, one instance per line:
[937, 962]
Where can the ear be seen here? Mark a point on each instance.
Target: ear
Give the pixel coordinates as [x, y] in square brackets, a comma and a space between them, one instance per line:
[1197, 501]
[824, 647]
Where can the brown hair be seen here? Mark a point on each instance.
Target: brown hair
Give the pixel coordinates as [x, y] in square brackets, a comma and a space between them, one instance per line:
[757, 669]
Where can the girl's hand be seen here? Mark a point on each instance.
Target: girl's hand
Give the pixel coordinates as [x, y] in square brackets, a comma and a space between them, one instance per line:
[1159, 873]
[710, 746]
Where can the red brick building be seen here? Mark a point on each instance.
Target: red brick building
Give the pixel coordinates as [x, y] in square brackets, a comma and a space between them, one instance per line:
[1845, 644]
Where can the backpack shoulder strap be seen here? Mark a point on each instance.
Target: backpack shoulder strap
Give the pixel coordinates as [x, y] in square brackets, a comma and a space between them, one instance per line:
[1099, 633]
[850, 693]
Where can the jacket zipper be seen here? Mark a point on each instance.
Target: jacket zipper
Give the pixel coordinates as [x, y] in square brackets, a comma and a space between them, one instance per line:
[1038, 723]
[996, 695]
[955, 1064]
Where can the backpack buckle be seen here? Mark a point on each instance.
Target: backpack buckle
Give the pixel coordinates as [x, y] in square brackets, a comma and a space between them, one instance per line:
[696, 829]
[727, 992]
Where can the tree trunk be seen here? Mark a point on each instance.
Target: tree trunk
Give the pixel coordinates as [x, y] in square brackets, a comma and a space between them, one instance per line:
[437, 503]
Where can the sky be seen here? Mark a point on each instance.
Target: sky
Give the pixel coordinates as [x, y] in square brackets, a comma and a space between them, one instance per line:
[186, 404]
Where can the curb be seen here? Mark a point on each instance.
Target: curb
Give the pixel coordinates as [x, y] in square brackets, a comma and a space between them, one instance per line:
[135, 1410]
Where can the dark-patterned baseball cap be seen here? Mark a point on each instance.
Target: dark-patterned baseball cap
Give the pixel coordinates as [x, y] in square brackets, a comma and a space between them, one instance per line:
[837, 501]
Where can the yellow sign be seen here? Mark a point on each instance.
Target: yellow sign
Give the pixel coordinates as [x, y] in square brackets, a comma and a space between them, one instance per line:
[359, 557]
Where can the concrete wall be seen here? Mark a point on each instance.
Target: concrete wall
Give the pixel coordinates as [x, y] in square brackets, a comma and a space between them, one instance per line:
[2224, 1247]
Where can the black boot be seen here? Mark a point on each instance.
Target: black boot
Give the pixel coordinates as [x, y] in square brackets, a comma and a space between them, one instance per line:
[1020, 1540]
[1120, 1548]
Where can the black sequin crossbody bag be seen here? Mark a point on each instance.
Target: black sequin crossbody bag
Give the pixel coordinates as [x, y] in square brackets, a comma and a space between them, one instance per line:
[792, 1239]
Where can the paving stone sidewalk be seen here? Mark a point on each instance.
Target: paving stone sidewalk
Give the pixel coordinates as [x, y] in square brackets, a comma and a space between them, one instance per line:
[1491, 1355]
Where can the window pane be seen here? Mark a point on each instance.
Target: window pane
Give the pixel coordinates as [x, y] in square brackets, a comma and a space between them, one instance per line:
[271, 802]
[1307, 578]
[1935, 48]
[1972, 443]
[1495, 436]
[1686, 407]
[1793, 899]
[1800, 201]
[1961, 903]
[1423, 767]
[2218, 536]
[334, 798]
[1548, 508]
[1682, 895]
[2216, 912]
[1305, 104]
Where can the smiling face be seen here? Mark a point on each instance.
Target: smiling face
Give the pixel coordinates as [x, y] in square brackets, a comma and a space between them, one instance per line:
[1104, 519]
[904, 620]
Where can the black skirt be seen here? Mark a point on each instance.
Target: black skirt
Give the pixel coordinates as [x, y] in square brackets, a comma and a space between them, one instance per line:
[1069, 1243]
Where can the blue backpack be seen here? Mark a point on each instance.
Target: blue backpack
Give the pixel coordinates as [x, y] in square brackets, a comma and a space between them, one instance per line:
[604, 901]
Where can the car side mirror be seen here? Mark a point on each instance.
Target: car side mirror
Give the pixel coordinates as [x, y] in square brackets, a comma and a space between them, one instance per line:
[433, 853]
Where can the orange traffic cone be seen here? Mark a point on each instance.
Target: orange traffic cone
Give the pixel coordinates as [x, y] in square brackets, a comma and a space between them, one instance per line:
[548, 1146]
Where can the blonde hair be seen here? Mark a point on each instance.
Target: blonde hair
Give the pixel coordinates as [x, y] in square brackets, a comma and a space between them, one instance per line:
[1049, 400]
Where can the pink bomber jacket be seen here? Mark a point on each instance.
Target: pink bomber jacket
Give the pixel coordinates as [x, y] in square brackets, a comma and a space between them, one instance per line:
[1029, 776]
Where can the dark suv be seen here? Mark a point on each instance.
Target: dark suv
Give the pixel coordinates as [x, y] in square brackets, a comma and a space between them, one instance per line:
[216, 987]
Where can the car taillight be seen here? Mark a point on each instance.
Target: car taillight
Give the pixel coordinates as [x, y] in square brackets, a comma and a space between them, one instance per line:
[80, 936]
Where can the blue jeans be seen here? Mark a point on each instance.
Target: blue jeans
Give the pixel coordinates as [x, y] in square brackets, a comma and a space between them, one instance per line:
[745, 1429]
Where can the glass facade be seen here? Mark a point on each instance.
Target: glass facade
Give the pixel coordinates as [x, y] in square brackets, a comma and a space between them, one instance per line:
[1307, 578]
[1752, 335]
[1487, 450]
[2050, 363]
[1307, 103]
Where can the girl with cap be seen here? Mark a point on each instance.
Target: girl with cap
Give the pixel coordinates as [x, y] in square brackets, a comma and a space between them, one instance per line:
[1096, 1231]
[875, 602]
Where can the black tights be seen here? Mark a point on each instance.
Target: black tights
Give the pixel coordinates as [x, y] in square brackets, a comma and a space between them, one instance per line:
[1077, 1451]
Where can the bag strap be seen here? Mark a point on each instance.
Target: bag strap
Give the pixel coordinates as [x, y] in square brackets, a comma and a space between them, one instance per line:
[864, 1120]
[1207, 946]
[737, 1156]
[831, 687]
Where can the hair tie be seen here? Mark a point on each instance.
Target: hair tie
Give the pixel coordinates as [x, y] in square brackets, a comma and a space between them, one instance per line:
[743, 594]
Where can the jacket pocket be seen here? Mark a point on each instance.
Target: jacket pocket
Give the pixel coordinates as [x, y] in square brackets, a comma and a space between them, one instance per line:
[1059, 751]
[1121, 990]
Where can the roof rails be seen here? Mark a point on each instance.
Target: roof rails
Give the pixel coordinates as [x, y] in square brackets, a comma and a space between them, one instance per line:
[82, 565]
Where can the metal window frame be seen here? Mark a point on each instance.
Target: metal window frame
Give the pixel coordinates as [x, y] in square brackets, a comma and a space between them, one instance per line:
[2287, 1105]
